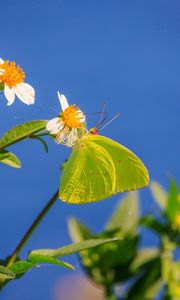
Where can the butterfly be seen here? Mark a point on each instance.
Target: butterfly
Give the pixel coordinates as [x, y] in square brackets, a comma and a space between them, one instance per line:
[99, 167]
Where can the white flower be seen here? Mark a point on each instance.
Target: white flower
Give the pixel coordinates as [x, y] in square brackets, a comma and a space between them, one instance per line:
[65, 127]
[12, 79]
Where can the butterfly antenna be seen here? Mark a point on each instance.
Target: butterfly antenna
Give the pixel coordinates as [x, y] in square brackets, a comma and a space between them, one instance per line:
[101, 117]
[94, 113]
[115, 117]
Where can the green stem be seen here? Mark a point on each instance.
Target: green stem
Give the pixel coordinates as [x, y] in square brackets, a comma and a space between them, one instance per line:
[31, 229]
[42, 134]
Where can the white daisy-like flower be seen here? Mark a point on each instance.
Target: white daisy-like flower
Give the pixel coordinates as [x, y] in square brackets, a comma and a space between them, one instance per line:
[64, 128]
[12, 82]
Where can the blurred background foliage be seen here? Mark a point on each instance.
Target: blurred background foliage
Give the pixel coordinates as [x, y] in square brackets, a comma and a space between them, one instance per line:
[140, 273]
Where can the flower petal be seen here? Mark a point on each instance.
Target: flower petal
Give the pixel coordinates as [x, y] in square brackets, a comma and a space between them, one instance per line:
[63, 101]
[71, 138]
[62, 136]
[9, 94]
[28, 88]
[81, 116]
[2, 71]
[25, 93]
[1, 61]
[55, 125]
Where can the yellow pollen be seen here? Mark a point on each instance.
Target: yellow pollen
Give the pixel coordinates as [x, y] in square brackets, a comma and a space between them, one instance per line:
[71, 117]
[12, 75]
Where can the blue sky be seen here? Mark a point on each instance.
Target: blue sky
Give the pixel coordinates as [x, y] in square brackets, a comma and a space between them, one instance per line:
[124, 52]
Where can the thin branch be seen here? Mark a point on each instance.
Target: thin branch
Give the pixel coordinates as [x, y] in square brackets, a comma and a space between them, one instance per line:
[31, 229]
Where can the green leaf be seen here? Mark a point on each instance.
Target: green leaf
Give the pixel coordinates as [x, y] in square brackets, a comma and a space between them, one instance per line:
[10, 159]
[36, 258]
[144, 256]
[21, 132]
[159, 194]
[145, 281]
[6, 273]
[72, 248]
[154, 289]
[172, 204]
[21, 267]
[126, 214]
[151, 223]
[78, 231]
[110, 262]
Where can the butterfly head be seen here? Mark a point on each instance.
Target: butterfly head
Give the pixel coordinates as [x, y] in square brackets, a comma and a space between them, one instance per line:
[93, 131]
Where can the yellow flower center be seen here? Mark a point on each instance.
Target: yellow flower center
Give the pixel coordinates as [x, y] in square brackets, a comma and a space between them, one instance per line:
[12, 75]
[71, 117]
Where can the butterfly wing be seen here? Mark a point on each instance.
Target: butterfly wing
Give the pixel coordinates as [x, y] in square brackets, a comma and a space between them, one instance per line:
[99, 167]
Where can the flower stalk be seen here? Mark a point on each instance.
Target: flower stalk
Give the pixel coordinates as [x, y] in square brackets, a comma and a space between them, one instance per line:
[31, 229]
